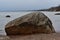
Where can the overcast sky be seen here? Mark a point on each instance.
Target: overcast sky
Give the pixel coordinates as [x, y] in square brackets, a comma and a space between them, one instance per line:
[27, 4]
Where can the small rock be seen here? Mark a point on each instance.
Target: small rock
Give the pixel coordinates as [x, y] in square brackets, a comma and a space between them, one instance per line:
[57, 14]
[8, 16]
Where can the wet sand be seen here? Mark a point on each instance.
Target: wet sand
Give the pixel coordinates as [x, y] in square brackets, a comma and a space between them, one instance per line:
[53, 36]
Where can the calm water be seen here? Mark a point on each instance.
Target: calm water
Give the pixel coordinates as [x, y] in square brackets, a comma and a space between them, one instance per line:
[55, 19]
[3, 20]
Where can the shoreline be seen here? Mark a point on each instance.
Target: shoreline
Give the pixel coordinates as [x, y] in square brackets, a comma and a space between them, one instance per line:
[52, 36]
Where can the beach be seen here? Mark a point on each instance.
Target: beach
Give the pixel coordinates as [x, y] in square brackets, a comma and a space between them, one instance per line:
[54, 18]
[53, 36]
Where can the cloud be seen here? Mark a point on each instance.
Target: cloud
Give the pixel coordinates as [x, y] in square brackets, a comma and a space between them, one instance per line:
[27, 4]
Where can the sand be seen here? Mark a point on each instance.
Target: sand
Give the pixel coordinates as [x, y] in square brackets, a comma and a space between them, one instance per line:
[53, 36]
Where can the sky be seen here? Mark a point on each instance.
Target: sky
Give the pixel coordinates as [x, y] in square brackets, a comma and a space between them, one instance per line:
[27, 4]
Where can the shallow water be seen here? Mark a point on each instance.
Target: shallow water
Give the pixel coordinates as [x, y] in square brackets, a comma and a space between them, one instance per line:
[55, 19]
[4, 20]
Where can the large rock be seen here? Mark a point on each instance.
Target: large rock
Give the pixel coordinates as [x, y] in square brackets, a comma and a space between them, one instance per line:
[35, 22]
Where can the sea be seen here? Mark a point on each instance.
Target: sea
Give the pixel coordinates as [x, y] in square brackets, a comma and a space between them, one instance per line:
[13, 15]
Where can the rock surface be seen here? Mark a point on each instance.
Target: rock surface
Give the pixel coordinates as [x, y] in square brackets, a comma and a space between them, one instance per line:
[7, 15]
[57, 14]
[35, 22]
